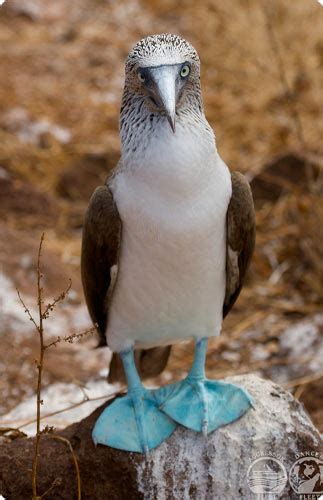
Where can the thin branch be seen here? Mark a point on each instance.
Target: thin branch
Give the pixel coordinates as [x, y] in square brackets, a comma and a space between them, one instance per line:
[83, 391]
[56, 482]
[307, 379]
[40, 364]
[12, 432]
[70, 338]
[77, 469]
[27, 311]
[50, 307]
[71, 407]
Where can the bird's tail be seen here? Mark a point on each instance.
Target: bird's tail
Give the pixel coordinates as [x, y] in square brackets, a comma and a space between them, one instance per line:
[149, 362]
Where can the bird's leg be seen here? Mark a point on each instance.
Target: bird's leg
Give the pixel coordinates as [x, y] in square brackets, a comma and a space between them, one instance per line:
[201, 404]
[136, 391]
[196, 377]
[133, 422]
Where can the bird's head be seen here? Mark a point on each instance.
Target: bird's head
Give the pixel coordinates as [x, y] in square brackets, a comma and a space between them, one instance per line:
[163, 77]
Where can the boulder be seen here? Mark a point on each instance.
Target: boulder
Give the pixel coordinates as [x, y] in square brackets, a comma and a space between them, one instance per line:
[241, 460]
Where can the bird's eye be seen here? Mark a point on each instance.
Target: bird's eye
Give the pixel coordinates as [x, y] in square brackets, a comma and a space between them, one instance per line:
[185, 71]
[141, 76]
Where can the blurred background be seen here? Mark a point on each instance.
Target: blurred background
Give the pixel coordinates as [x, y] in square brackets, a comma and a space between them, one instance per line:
[61, 68]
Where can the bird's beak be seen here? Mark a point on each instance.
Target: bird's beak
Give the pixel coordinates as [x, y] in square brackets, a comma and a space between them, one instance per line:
[164, 90]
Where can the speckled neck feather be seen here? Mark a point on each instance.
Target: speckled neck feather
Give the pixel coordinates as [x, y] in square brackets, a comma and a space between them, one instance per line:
[137, 123]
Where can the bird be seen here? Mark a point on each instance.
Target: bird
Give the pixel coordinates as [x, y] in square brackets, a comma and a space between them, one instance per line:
[166, 244]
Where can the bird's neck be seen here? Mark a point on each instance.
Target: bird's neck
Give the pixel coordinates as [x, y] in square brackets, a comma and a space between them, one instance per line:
[139, 127]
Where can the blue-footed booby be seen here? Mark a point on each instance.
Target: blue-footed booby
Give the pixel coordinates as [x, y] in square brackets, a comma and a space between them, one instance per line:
[166, 245]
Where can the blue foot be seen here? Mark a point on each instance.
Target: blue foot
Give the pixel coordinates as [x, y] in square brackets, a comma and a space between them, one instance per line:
[133, 422]
[203, 405]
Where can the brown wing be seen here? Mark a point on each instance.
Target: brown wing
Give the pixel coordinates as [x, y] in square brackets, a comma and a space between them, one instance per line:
[241, 235]
[100, 252]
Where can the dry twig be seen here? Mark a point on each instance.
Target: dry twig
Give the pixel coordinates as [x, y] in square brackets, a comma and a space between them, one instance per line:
[70, 338]
[40, 364]
[77, 469]
[106, 397]
[43, 313]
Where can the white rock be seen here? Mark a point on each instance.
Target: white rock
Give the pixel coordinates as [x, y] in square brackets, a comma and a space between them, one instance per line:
[189, 466]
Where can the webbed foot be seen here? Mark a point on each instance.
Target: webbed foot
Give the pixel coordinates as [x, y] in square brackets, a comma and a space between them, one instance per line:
[204, 405]
[201, 404]
[133, 422]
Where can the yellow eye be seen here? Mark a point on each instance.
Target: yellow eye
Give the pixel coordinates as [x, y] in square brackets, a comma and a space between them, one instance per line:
[141, 77]
[185, 71]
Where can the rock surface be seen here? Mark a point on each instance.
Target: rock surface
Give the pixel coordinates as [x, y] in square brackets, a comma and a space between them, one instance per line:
[186, 466]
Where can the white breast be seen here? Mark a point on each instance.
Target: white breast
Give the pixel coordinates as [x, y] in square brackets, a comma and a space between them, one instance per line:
[171, 279]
